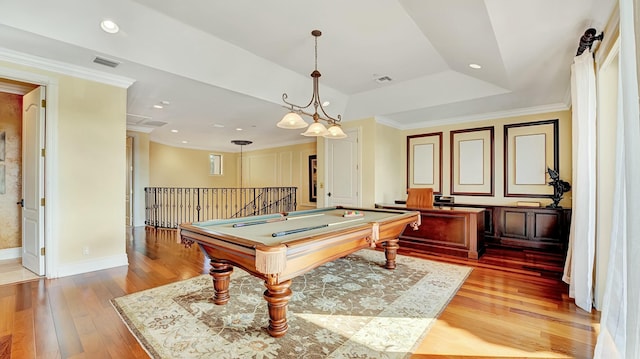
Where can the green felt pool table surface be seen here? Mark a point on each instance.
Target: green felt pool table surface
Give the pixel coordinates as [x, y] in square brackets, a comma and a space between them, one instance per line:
[262, 233]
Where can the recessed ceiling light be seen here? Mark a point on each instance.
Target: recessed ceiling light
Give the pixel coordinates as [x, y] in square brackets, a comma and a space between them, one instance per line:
[166, 103]
[158, 106]
[109, 26]
[218, 125]
[475, 66]
[238, 129]
[185, 142]
[174, 131]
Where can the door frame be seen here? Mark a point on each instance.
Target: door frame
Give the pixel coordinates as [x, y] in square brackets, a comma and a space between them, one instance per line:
[50, 163]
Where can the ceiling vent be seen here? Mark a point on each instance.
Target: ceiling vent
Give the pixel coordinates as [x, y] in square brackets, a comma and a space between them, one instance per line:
[154, 123]
[106, 62]
[383, 79]
[140, 120]
[134, 119]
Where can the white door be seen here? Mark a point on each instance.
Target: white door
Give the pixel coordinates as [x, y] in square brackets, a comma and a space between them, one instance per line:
[33, 121]
[343, 174]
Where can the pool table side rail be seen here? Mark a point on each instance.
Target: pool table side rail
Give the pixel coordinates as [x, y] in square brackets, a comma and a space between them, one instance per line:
[292, 260]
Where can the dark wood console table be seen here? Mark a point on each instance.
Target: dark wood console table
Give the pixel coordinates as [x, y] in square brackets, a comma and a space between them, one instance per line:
[456, 231]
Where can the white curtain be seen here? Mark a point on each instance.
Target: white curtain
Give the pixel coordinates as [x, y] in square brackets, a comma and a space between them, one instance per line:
[620, 322]
[578, 269]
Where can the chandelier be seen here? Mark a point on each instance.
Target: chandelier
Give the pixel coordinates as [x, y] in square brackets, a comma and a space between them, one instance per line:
[293, 120]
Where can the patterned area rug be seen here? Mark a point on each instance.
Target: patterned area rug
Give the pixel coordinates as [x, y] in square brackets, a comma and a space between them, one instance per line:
[349, 308]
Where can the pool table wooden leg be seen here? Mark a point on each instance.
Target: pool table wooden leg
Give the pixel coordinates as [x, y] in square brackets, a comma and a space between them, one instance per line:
[221, 273]
[390, 251]
[277, 296]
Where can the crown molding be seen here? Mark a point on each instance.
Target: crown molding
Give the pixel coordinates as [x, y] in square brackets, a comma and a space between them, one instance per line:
[478, 117]
[64, 68]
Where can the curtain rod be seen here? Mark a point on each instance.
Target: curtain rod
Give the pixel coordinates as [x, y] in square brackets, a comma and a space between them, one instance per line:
[588, 39]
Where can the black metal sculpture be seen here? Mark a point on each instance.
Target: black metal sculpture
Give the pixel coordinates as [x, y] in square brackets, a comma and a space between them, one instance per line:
[587, 40]
[559, 188]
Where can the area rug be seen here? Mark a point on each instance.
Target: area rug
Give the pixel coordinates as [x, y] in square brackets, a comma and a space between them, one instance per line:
[349, 308]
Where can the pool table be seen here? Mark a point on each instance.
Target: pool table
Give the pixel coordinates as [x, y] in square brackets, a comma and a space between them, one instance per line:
[279, 247]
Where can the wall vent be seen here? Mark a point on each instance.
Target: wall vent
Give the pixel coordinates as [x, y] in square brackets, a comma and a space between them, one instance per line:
[106, 62]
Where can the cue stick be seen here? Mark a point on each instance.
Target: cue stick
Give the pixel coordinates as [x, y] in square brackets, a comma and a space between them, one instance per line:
[301, 217]
[279, 219]
[304, 229]
[244, 224]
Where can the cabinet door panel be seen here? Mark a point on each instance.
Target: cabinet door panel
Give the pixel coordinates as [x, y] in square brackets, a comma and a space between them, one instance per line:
[546, 226]
[515, 224]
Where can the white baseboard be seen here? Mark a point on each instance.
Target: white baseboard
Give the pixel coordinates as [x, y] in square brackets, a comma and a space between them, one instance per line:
[91, 265]
[11, 253]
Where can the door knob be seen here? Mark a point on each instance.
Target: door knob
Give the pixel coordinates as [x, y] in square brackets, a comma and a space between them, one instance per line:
[329, 194]
[21, 203]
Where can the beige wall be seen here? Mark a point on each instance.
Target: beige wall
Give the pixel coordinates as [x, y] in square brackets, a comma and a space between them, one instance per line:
[10, 168]
[280, 166]
[183, 167]
[388, 160]
[564, 118]
[91, 137]
[140, 174]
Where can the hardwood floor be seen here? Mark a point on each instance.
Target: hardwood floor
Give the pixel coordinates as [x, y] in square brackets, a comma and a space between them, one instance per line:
[496, 313]
[511, 311]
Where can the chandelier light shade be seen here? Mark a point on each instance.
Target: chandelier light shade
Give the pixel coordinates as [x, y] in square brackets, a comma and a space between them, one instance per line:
[293, 119]
[335, 132]
[316, 129]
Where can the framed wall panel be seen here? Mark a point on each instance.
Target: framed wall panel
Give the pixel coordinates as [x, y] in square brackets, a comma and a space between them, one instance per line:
[3, 139]
[529, 148]
[424, 161]
[313, 178]
[472, 161]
